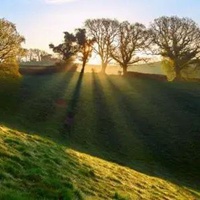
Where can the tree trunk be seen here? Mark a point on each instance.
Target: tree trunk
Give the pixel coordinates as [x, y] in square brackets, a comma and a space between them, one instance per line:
[103, 68]
[177, 74]
[125, 70]
[83, 66]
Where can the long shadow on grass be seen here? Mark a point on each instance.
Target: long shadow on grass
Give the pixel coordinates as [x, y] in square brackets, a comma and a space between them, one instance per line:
[176, 126]
[139, 127]
[69, 120]
[107, 136]
[35, 103]
[164, 124]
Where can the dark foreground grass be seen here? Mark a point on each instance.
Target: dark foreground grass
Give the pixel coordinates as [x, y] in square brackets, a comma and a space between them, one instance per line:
[147, 125]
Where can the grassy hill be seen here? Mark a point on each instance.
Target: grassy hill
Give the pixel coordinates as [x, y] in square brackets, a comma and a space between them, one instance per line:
[36, 168]
[149, 127]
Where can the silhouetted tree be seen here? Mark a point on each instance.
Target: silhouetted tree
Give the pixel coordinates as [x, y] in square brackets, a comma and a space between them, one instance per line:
[68, 48]
[40, 53]
[104, 31]
[30, 55]
[131, 39]
[84, 46]
[10, 41]
[177, 39]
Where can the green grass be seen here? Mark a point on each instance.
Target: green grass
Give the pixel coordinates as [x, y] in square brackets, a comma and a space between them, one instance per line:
[32, 167]
[146, 125]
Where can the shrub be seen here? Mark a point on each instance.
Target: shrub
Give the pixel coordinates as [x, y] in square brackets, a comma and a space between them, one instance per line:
[48, 69]
[9, 70]
[66, 65]
[168, 67]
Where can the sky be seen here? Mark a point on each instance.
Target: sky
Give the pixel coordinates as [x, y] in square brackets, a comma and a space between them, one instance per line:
[42, 22]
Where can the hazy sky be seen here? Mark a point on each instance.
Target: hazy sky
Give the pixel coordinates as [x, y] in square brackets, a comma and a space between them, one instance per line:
[44, 21]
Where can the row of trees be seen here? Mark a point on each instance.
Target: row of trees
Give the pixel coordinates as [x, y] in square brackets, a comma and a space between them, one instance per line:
[34, 54]
[176, 39]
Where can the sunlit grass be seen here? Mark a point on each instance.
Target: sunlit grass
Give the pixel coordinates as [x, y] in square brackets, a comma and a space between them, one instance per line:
[36, 168]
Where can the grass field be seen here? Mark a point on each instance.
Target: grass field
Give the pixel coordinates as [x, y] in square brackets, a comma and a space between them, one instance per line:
[151, 128]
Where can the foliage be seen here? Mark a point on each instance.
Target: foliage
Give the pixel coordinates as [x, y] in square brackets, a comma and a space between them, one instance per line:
[84, 46]
[104, 31]
[9, 70]
[177, 39]
[75, 45]
[168, 67]
[67, 49]
[10, 41]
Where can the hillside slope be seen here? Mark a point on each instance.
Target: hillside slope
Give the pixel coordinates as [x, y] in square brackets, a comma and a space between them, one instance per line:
[36, 168]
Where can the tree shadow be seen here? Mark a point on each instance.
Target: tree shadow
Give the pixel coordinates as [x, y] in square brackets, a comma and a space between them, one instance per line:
[139, 129]
[164, 129]
[35, 103]
[108, 139]
[72, 109]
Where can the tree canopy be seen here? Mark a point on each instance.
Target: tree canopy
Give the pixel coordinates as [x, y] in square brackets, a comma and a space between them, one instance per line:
[10, 41]
[77, 44]
[131, 39]
[177, 39]
[104, 31]
[84, 46]
[67, 49]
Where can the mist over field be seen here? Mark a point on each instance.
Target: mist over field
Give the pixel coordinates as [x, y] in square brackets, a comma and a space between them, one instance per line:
[150, 68]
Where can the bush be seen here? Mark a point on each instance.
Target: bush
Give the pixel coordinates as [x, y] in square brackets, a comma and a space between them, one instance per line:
[66, 65]
[48, 69]
[147, 76]
[9, 70]
[168, 67]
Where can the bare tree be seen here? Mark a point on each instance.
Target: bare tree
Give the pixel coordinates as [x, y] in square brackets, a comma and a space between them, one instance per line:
[39, 54]
[104, 31]
[131, 39]
[36, 54]
[177, 39]
[30, 54]
[10, 41]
